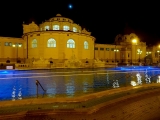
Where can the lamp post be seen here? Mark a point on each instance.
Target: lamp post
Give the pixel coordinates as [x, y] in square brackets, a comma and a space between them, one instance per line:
[134, 41]
[116, 50]
[148, 56]
[158, 51]
[139, 52]
[17, 45]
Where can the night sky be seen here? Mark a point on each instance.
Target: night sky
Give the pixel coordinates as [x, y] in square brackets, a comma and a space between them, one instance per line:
[104, 19]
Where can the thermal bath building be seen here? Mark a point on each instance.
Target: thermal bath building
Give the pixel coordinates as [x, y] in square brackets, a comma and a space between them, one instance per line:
[60, 42]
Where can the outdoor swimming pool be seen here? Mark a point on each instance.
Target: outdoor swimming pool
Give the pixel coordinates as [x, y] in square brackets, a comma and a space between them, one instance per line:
[21, 84]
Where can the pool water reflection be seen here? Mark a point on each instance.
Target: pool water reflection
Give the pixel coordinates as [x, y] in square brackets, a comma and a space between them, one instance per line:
[69, 82]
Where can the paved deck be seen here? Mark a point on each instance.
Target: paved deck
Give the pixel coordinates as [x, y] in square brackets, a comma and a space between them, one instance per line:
[97, 106]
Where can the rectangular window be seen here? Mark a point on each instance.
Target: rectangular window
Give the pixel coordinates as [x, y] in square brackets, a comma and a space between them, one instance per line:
[10, 44]
[96, 48]
[112, 49]
[101, 48]
[107, 49]
[6, 43]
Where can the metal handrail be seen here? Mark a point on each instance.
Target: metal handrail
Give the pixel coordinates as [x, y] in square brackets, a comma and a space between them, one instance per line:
[38, 83]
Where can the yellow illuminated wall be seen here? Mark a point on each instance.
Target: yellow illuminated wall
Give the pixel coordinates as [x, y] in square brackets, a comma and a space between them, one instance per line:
[60, 51]
[8, 52]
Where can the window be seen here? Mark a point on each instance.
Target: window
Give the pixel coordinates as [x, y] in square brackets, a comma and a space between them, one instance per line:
[96, 48]
[51, 43]
[101, 48]
[46, 27]
[112, 49]
[66, 28]
[34, 43]
[85, 45]
[74, 29]
[8, 44]
[107, 49]
[55, 27]
[70, 43]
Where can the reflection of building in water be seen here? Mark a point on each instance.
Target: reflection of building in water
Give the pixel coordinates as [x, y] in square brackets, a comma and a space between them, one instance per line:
[51, 91]
[85, 86]
[158, 79]
[147, 77]
[115, 84]
[70, 87]
[59, 39]
[80, 82]
[139, 79]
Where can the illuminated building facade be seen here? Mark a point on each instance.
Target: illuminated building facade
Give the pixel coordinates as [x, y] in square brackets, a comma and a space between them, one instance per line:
[59, 39]
[126, 49]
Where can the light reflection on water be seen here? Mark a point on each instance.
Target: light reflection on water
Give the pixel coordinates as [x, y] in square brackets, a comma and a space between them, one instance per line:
[64, 83]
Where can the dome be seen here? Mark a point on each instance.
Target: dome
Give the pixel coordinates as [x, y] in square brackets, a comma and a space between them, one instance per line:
[58, 15]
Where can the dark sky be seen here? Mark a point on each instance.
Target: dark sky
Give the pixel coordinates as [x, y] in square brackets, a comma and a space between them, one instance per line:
[105, 19]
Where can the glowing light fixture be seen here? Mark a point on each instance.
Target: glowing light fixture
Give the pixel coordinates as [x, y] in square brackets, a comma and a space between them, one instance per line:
[134, 41]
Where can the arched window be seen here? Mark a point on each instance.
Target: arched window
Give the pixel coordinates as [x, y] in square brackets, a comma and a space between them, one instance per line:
[65, 28]
[74, 29]
[34, 43]
[46, 27]
[70, 43]
[51, 43]
[55, 27]
[85, 45]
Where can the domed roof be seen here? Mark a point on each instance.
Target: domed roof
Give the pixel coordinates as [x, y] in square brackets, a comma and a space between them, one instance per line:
[58, 15]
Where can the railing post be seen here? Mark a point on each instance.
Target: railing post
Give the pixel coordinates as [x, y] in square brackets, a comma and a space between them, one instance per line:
[37, 87]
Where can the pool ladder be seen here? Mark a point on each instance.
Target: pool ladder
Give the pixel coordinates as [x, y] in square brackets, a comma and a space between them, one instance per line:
[38, 83]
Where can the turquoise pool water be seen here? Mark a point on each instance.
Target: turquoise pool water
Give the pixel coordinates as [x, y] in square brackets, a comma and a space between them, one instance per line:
[21, 84]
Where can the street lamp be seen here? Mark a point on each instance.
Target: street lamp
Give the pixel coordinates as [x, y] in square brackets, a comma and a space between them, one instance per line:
[148, 56]
[17, 45]
[158, 54]
[158, 51]
[116, 50]
[139, 52]
[148, 53]
[134, 41]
